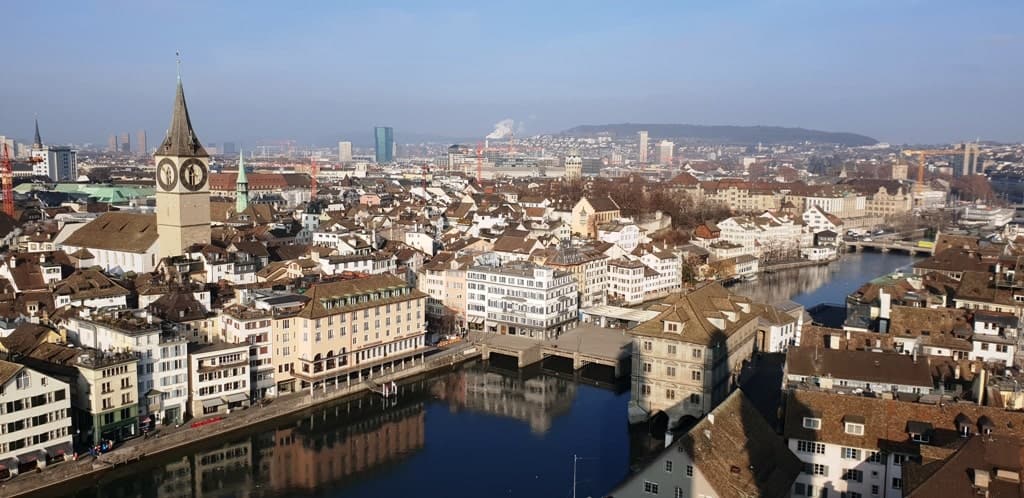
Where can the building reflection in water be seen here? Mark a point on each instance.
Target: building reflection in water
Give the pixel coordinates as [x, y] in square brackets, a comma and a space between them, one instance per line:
[320, 451]
[772, 287]
[326, 447]
[536, 401]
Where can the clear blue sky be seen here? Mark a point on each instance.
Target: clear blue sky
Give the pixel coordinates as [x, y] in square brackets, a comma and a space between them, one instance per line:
[902, 71]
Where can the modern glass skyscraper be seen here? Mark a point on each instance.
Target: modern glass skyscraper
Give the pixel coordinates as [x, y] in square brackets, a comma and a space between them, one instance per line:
[384, 144]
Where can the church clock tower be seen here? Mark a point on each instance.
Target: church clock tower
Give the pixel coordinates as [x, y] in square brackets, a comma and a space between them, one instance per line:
[182, 185]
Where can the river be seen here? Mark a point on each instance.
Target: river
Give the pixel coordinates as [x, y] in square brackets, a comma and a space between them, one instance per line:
[477, 432]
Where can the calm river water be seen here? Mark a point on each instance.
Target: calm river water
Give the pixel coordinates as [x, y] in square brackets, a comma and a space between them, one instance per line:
[478, 432]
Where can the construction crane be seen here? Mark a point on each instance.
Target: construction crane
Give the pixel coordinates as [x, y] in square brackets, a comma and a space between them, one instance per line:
[8, 182]
[479, 164]
[314, 172]
[922, 154]
[426, 171]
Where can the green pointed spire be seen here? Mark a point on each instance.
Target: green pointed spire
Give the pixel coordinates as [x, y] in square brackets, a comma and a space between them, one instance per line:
[241, 185]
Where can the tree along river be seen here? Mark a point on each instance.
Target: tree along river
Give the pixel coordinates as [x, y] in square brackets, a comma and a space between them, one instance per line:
[480, 431]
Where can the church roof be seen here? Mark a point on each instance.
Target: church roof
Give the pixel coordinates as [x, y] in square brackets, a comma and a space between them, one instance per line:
[181, 139]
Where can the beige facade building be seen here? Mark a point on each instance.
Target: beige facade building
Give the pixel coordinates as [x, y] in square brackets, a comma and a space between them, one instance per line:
[350, 329]
[686, 359]
[106, 395]
[443, 279]
[589, 213]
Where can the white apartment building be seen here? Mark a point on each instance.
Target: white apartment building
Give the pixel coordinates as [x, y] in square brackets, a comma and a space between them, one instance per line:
[218, 378]
[373, 264]
[818, 220]
[626, 281]
[161, 349]
[764, 232]
[623, 233]
[669, 278]
[254, 327]
[35, 414]
[521, 298]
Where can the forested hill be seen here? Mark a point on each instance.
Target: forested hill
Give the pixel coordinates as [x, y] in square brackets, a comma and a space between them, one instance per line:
[737, 135]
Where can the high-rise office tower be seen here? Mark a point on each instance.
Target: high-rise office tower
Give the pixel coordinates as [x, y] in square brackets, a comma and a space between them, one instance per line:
[112, 144]
[344, 151]
[642, 157]
[384, 144]
[229, 148]
[126, 143]
[665, 149]
[58, 163]
[140, 143]
[969, 161]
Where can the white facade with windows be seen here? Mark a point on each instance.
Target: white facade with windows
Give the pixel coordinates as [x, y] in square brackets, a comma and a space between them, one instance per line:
[521, 298]
[59, 164]
[35, 420]
[241, 324]
[218, 378]
[162, 352]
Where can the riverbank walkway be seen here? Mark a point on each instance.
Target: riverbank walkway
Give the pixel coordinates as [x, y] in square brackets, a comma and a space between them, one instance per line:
[167, 438]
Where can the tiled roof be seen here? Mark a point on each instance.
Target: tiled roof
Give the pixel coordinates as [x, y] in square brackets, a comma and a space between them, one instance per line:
[694, 310]
[739, 453]
[866, 366]
[117, 231]
[885, 421]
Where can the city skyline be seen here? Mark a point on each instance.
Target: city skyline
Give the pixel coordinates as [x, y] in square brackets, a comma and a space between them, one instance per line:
[901, 74]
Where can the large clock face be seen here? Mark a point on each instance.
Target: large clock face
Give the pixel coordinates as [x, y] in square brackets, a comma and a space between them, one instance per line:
[167, 175]
[193, 174]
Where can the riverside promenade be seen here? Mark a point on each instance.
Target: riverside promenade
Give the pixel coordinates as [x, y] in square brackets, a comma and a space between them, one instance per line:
[168, 438]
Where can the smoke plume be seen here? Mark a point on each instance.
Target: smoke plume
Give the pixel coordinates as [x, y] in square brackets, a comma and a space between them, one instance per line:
[502, 129]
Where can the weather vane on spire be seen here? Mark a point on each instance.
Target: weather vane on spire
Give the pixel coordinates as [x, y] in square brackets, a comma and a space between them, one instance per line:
[177, 55]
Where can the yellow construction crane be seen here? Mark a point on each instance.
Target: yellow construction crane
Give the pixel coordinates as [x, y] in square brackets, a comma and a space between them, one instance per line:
[921, 155]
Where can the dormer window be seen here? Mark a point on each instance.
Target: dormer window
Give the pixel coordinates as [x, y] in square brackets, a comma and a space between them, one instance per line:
[963, 425]
[919, 432]
[671, 326]
[853, 424]
[985, 425]
[812, 423]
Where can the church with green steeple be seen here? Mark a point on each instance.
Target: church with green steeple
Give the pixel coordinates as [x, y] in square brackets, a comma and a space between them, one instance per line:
[241, 185]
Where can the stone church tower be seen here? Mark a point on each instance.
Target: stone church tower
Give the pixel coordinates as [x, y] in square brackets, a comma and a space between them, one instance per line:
[182, 185]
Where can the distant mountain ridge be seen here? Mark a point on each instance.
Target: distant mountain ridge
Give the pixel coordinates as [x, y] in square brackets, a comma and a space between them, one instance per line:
[736, 135]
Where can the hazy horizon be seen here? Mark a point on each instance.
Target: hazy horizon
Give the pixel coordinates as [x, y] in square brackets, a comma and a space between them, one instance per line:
[898, 71]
